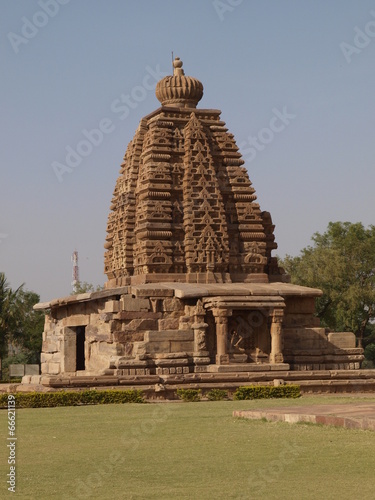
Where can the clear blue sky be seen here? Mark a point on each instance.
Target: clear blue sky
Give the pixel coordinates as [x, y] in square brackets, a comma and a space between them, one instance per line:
[253, 57]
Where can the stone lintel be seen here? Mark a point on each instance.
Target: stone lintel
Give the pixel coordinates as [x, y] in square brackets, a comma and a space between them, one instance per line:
[76, 320]
[251, 304]
[82, 297]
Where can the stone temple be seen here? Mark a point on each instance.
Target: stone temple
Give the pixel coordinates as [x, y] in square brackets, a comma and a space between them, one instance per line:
[193, 295]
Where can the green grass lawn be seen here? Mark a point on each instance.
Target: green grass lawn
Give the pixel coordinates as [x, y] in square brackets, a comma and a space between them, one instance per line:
[187, 451]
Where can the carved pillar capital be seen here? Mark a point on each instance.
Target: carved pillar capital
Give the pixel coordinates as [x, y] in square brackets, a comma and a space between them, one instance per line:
[221, 315]
[277, 315]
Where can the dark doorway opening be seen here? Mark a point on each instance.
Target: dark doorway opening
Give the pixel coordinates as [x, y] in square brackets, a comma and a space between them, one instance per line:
[80, 346]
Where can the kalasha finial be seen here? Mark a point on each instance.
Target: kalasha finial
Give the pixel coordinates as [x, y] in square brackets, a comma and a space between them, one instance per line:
[179, 90]
[177, 65]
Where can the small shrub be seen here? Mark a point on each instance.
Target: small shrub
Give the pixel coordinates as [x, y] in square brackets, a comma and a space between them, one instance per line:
[189, 394]
[65, 398]
[217, 395]
[267, 391]
[13, 380]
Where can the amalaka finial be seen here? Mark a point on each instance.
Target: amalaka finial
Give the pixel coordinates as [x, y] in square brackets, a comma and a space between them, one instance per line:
[177, 65]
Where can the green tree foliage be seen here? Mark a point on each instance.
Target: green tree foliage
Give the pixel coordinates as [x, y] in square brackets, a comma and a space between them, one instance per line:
[84, 287]
[20, 326]
[341, 262]
[9, 313]
[29, 334]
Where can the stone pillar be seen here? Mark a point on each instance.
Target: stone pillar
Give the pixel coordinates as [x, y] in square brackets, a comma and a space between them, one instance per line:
[221, 320]
[199, 326]
[276, 355]
[68, 351]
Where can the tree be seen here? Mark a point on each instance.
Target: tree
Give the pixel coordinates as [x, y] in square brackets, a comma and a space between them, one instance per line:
[29, 334]
[20, 326]
[10, 315]
[341, 262]
[84, 287]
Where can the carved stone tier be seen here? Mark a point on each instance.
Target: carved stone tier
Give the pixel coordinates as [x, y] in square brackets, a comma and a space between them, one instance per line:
[183, 208]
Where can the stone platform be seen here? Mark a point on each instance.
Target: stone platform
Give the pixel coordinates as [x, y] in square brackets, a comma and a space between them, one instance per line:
[350, 416]
[165, 386]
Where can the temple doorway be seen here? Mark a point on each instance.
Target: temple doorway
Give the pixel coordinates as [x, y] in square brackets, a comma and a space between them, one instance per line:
[80, 347]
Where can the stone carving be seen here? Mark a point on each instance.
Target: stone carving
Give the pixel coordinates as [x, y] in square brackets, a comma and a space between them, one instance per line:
[200, 327]
[182, 187]
[128, 349]
[236, 342]
[199, 309]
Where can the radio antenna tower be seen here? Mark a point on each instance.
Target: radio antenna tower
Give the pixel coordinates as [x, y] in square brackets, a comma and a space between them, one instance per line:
[75, 281]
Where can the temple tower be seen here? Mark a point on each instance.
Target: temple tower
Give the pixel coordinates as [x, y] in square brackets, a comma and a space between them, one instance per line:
[184, 209]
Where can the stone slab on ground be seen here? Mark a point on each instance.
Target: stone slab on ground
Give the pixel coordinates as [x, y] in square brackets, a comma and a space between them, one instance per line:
[350, 416]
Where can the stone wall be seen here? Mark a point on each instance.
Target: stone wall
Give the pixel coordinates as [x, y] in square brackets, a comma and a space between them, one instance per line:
[124, 334]
[307, 346]
[167, 329]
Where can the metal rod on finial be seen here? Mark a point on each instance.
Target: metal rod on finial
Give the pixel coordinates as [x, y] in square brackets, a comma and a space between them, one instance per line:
[172, 61]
